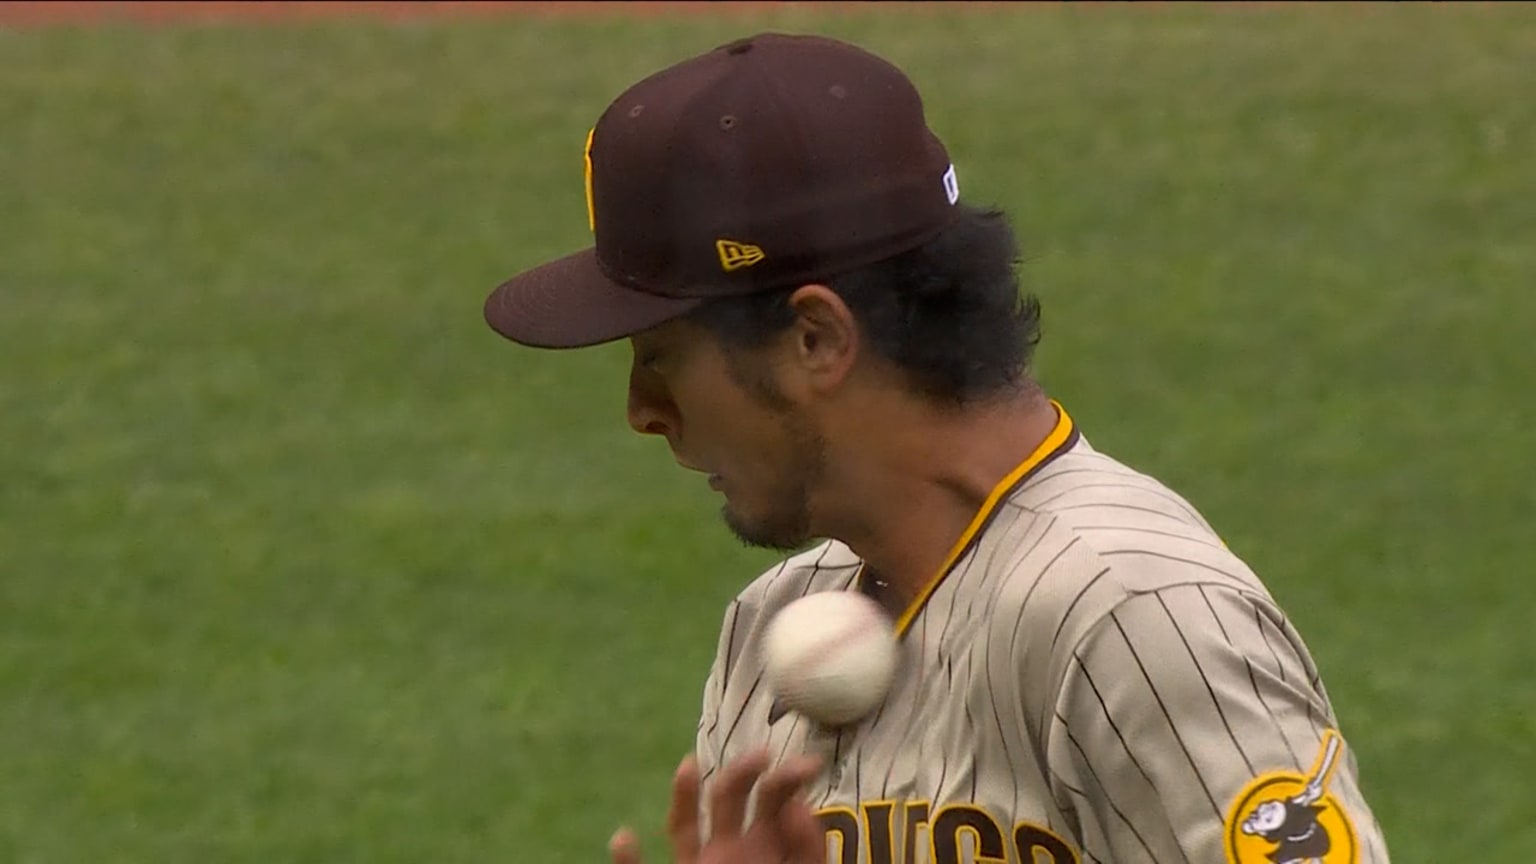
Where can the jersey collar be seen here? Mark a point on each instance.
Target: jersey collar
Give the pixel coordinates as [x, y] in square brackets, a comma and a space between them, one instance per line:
[1061, 439]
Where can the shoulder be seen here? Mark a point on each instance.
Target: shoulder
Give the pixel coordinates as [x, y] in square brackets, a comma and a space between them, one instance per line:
[1102, 519]
[1092, 490]
[1102, 533]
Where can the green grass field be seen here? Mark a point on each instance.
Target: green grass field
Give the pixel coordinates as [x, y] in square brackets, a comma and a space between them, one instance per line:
[301, 563]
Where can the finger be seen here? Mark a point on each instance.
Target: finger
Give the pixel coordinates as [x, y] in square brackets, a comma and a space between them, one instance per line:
[624, 847]
[804, 839]
[728, 800]
[683, 813]
[781, 784]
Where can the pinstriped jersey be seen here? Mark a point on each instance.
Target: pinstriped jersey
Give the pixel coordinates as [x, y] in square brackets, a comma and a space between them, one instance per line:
[1092, 677]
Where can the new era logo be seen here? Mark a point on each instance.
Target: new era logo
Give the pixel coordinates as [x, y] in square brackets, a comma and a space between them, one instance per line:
[951, 185]
[734, 255]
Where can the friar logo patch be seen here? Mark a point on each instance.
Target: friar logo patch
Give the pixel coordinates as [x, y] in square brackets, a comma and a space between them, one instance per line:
[1283, 817]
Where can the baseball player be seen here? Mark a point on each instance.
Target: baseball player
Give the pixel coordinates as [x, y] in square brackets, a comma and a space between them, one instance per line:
[824, 329]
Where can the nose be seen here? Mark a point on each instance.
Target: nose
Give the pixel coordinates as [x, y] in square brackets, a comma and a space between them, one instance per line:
[650, 409]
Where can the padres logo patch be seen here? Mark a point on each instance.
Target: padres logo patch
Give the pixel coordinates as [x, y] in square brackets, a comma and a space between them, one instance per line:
[1285, 818]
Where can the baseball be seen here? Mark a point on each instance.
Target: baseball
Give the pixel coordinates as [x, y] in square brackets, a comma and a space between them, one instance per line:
[830, 656]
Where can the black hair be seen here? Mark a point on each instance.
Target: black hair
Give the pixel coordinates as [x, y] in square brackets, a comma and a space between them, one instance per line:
[949, 314]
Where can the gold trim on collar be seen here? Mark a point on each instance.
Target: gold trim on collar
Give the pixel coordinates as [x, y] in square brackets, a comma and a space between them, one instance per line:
[1061, 437]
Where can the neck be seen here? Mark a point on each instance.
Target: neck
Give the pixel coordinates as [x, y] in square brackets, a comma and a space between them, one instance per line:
[909, 500]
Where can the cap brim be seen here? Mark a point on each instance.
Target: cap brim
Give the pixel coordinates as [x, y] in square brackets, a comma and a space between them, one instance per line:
[570, 303]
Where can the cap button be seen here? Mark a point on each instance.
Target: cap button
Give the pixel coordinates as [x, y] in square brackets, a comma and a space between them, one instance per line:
[740, 46]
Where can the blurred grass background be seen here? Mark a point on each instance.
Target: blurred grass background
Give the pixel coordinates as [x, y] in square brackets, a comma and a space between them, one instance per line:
[302, 563]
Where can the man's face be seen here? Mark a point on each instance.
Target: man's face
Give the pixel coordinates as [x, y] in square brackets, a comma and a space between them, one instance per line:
[723, 415]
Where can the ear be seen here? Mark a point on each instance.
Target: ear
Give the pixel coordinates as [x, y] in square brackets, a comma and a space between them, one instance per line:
[824, 338]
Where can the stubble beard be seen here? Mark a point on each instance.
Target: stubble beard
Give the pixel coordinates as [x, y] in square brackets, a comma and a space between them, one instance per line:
[786, 526]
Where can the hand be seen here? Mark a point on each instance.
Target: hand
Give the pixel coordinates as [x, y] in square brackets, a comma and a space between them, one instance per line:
[783, 832]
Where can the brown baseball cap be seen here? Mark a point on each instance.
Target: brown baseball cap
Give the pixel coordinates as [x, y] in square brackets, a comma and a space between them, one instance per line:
[772, 161]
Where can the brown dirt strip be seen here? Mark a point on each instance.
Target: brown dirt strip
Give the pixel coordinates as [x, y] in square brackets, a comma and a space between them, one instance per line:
[62, 12]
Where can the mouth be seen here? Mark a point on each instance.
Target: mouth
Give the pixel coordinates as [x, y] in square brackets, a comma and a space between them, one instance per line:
[715, 480]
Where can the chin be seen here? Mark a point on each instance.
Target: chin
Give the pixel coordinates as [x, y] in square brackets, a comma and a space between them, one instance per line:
[780, 535]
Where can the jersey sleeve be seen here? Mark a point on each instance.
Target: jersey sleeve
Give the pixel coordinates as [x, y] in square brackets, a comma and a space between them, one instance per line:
[1192, 725]
[706, 745]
